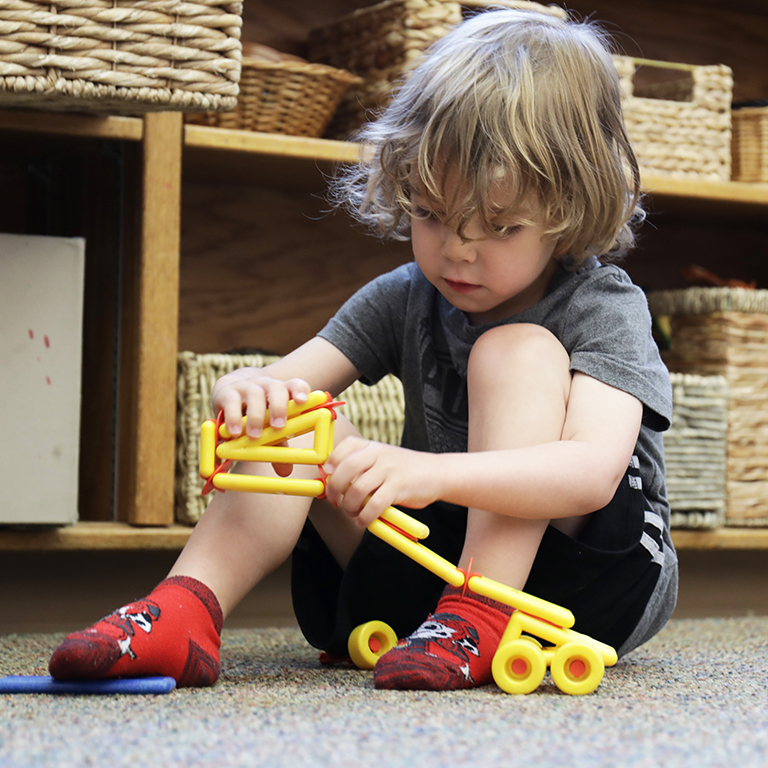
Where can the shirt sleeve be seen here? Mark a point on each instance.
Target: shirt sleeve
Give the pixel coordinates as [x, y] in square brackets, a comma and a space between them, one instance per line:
[369, 327]
[608, 331]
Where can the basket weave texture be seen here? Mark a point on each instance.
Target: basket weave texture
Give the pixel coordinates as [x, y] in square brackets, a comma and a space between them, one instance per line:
[120, 55]
[724, 331]
[695, 451]
[289, 97]
[382, 42]
[680, 128]
[377, 411]
[750, 144]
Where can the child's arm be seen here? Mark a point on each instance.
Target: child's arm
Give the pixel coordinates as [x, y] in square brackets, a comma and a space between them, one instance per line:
[318, 364]
[573, 476]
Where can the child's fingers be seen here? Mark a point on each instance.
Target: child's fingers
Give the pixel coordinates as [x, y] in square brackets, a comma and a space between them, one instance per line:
[298, 390]
[278, 393]
[231, 402]
[247, 391]
[373, 507]
[255, 408]
[342, 469]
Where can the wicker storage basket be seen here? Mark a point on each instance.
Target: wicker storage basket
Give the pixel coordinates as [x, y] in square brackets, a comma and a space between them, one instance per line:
[679, 127]
[695, 451]
[120, 55]
[724, 331]
[376, 411]
[382, 42]
[750, 143]
[289, 97]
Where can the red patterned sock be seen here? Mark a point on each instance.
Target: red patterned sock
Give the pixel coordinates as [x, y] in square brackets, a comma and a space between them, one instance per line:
[452, 649]
[175, 632]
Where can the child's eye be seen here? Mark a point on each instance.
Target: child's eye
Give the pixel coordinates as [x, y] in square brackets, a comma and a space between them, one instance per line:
[506, 230]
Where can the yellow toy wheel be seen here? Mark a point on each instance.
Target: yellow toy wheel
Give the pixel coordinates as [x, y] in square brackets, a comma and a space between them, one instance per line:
[519, 666]
[368, 642]
[577, 668]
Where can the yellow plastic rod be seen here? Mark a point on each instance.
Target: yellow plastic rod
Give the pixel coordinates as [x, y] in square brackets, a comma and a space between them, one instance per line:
[405, 522]
[226, 481]
[610, 657]
[418, 552]
[522, 601]
[245, 448]
[207, 448]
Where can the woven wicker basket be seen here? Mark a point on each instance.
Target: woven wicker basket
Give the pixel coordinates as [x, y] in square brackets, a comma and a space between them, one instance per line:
[695, 451]
[750, 144]
[724, 331]
[376, 411]
[680, 127]
[382, 42]
[120, 55]
[289, 97]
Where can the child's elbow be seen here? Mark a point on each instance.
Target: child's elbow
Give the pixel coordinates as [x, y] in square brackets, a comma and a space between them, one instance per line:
[606, 488]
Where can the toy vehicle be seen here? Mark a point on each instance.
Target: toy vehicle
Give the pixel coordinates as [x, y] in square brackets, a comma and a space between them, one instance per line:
[539, 633]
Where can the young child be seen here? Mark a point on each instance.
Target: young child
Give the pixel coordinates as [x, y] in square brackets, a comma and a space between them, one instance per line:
[535, 395]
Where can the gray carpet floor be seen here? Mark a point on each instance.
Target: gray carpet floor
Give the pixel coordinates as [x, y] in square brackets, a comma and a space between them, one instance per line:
[696, 695]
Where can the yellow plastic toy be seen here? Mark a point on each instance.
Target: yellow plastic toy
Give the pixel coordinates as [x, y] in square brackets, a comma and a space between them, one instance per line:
[576, 662]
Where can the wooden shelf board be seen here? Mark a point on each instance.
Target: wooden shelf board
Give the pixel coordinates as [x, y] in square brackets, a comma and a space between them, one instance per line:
[241, 144]
[700, 197]
[271, 144]
[113, 127]
[722, 538]
[202, 140]
[292, 163]
[95, 535]
[106, 535]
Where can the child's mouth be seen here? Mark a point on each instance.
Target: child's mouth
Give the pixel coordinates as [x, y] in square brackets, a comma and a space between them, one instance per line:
[460, 287]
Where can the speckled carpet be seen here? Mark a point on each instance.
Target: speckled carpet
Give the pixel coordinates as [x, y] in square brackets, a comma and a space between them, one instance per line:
[696, 695]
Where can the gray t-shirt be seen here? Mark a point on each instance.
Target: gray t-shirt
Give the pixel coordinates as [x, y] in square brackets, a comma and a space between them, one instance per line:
[399, 323]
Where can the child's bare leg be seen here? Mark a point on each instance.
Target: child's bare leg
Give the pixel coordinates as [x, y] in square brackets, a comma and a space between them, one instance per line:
[175, 630]
[518, 386]
[519, 382]
[243, 537]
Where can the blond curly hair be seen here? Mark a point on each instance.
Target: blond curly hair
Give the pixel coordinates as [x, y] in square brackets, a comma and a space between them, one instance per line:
[512, 95]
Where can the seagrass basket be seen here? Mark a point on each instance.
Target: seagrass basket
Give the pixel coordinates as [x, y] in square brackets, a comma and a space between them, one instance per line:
[678, 116]
[382, 42]
[695, 451]
[377, 411]
[120, 55]
[724, 331]
[289, 97]
[750, 143]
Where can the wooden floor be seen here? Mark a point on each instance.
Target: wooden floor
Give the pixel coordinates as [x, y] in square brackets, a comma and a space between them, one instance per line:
[65, 591]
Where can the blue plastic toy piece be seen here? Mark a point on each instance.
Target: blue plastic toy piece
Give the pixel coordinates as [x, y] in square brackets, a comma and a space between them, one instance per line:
[44, 684]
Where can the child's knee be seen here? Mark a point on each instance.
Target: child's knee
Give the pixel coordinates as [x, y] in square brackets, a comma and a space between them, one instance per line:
[520, 348]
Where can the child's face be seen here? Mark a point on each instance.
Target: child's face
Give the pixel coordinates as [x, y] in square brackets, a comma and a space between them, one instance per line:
[489, 278]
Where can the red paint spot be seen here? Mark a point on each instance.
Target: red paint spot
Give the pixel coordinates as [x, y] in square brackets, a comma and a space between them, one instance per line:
[31, 334]
[48, 380]
[47, 341]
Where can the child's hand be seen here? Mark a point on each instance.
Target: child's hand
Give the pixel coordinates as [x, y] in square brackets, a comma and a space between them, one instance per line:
[252, 391]
[367, 477]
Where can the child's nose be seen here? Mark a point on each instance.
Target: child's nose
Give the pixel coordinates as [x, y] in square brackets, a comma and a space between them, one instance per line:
[456, 249]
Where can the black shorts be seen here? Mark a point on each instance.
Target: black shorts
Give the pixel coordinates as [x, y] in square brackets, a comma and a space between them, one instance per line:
[605, 576]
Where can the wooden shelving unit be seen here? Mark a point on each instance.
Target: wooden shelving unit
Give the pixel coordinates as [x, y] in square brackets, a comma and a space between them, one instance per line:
[111, 536]
[71, 124]
[152, 300]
